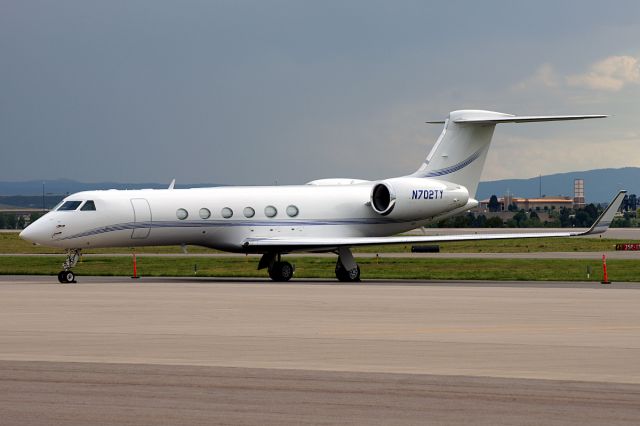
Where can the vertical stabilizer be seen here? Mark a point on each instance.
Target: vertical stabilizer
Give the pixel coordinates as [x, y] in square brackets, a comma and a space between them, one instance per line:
[461, 150]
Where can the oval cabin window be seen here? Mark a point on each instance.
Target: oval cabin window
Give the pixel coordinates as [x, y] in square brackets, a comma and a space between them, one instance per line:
[227, 212]
[182, 214]
[270, 211]
[249, 212]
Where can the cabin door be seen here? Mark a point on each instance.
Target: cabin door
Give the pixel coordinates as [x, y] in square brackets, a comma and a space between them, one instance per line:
[141, 218]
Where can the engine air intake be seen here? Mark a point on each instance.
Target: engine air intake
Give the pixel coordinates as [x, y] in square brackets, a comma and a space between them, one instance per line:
[382, 199]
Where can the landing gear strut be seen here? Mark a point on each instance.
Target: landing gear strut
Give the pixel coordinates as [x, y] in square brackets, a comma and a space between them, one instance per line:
[347, 270]
[66, 275]
[278, 270]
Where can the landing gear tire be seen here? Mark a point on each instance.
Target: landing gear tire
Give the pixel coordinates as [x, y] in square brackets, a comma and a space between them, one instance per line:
[344, 275]
[66, 277]
[281, 271]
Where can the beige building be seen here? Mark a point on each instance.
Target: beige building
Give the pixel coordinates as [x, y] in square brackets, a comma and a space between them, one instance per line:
[535, 204]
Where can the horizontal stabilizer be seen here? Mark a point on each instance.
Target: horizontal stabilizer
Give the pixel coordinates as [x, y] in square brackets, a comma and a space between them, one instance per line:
[525, 118]
[508, 118]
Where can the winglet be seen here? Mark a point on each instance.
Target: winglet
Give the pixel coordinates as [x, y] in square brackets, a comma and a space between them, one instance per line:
[172, 184]
[602, 223]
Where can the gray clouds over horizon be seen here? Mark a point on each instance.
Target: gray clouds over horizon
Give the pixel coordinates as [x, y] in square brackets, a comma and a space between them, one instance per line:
[250, 92]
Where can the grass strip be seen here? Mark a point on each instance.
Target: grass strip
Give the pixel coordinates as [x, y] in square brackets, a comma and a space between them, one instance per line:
[10, 243]
[310, 267]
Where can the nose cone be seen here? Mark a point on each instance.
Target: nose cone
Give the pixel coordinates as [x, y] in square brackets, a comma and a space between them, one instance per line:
[33, 233]
[27, 233]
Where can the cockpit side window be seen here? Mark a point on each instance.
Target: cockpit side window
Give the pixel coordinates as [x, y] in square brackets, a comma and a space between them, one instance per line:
[69, 205]
[89, 205]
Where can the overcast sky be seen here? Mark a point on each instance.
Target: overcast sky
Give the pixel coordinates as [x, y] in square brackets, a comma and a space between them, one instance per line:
[250, 92]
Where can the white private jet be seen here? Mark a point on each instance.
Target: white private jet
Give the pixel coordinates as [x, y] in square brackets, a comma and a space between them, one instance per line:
[328, 215]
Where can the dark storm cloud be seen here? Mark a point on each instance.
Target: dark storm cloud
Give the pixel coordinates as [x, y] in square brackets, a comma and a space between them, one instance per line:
[254, 91]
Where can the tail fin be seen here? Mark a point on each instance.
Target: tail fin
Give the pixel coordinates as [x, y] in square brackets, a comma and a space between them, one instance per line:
[461, 150]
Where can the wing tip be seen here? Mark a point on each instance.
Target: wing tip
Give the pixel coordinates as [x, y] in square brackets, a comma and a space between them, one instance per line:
[603, 222]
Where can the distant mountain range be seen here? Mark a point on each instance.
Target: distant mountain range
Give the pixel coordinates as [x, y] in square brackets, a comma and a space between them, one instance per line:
[65, 186]
[29, 193]
[599, 186]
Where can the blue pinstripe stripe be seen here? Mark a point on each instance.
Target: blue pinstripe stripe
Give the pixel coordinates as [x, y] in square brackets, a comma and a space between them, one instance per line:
[226, 223]
[455, 167]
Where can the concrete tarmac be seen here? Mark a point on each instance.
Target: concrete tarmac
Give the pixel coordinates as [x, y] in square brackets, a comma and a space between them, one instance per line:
[204, 351]
[36, 393]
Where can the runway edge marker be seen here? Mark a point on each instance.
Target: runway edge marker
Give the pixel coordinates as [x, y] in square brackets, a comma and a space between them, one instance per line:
[605, 277]
[135, 267]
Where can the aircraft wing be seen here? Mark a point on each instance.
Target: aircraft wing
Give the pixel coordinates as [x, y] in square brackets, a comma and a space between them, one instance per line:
[319, 243]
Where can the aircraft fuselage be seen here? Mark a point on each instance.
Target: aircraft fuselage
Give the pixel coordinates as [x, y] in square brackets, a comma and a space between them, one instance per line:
[222, 217]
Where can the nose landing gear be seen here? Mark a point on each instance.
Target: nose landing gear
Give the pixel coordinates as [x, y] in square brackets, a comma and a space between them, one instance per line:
[66, 275]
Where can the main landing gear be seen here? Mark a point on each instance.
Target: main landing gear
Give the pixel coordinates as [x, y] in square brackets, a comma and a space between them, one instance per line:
[344, 275]
[278, 270]
[66, 275]
[281, 271]
[347, 270]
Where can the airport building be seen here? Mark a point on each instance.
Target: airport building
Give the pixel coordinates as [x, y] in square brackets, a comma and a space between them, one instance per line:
[542, 203]
[535, 204]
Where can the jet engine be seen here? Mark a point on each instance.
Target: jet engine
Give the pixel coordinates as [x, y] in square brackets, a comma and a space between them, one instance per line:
[408, 198]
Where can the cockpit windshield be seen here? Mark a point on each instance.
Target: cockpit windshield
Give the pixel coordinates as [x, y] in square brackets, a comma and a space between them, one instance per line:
[69, 205]
[89, 206]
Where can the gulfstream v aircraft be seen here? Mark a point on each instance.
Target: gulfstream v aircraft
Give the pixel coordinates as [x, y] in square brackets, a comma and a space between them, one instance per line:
[329, 215]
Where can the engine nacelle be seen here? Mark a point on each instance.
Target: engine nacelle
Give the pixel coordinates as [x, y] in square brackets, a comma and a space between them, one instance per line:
[411, 198]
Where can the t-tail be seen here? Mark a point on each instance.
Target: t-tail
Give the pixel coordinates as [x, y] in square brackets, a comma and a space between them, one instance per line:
[461, 150]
